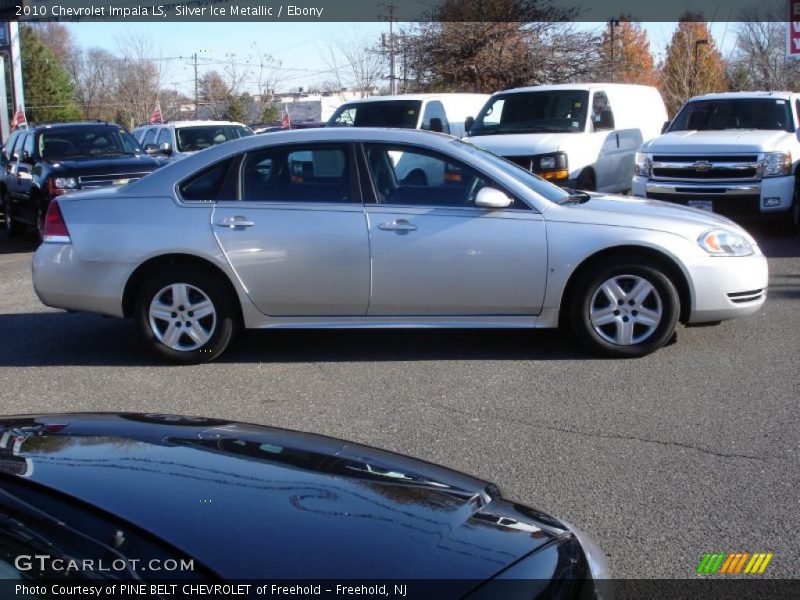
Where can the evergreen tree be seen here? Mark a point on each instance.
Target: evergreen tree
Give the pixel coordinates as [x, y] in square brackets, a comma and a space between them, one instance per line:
[632, 60]
[49, 93]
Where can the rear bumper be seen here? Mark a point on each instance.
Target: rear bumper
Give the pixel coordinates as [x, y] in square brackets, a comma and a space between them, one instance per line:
[62, 280]
[728, 287]
[772, 196]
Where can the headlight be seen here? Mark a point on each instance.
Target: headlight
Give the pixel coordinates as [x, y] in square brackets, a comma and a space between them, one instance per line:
[548, 162]
[777, 163]
[719, 242]
[66, 183]
[641, 163]
[552, 162]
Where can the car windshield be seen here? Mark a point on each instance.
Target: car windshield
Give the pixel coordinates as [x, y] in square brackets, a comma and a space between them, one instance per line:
[87, 141]
[200, 137]
[739, 113]
[402, 114]
[537, 184]
[561, 111]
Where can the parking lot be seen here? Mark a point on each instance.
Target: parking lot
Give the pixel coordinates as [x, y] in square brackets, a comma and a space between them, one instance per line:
[662, 459]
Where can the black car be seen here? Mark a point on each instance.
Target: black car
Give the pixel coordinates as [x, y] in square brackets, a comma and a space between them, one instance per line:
[46, 161]
[247, 503]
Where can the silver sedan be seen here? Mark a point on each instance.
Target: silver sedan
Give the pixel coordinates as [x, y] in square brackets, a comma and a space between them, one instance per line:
[354, 228]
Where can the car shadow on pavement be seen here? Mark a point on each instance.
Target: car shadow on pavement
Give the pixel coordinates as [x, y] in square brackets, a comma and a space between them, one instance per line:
[63, 339]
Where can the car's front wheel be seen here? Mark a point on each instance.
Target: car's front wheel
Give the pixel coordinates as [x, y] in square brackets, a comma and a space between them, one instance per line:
[12, 226]
[186, 314]
[624, 308]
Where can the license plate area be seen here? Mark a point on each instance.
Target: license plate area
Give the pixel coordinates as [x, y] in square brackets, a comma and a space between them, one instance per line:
[702, 204]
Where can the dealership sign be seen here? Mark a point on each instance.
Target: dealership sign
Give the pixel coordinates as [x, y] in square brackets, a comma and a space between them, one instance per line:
[793, 33]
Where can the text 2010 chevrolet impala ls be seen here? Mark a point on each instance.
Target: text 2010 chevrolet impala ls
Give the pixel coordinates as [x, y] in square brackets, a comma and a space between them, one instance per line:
[313, 229]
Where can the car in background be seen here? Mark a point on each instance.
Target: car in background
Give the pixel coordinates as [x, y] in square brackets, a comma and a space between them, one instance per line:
[443, 113]
[179, 139]
[736, 153]
[233, 502]
[315, 229]
[582, 136]
[47, 161]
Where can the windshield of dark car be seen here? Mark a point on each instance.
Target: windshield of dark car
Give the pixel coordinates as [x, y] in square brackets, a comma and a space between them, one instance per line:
[562, 111]
[87, 141]
[739, 113]
[537, 184]
[384, 113]
[200, 137]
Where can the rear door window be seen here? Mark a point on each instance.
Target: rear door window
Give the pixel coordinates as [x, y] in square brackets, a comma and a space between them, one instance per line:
[206, 185]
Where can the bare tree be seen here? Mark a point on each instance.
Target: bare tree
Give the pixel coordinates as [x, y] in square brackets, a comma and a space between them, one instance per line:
[354, 63]
[95, 76]
[139, 73]
[759, 59]
[215, 94]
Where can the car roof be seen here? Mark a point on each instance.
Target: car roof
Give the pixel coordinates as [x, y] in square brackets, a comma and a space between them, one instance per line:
[414, 97]
[43, 126]
[744, 95]
[573, 86]
[193, 123]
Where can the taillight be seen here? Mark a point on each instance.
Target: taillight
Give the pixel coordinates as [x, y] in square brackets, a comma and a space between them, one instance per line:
[55, 229]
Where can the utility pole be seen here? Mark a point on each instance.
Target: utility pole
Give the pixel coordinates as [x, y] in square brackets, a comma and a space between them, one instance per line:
[196, 99]
[613, 23]
[391, 7]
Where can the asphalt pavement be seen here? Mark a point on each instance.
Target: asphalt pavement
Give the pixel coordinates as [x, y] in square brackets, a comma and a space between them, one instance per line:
[691, 450]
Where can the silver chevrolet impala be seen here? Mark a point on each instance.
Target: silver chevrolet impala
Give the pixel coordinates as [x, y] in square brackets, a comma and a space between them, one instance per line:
[353, 228]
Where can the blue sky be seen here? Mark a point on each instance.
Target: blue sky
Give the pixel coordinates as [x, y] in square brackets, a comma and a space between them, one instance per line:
[298, 46]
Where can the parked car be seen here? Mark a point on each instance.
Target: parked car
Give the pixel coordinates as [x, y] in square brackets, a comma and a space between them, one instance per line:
[247, 502]
[47, 161]
[444, 113]
[581, 136]
[314, 229]
[737, 154]
[179, 139]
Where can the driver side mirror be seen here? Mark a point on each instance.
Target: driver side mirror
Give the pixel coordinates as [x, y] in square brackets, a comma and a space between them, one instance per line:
[151, 149]
[468, 124]
[665, 126]
[165, 148]
[492, 198]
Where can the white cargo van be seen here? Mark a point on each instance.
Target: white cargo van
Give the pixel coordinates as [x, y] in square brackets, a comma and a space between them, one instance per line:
[444, 113]
[583, 136]
[436, 112]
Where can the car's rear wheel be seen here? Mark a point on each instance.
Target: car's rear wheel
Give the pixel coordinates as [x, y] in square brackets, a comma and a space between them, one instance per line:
[186, 314]
[12, 226]
[624, 308]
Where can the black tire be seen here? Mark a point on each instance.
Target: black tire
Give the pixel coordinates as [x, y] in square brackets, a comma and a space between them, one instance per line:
[13, 228]
[626, 273]
[790, 220]
[585, 181]
[198, 283]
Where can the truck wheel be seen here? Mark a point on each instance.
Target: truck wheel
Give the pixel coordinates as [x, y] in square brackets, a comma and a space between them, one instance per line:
[624, 308]
[585, 181]
[186, 314]
[13, 228]
[790, 220]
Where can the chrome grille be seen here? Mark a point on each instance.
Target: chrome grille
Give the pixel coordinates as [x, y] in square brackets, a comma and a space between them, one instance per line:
[108, 179]
[706, 168]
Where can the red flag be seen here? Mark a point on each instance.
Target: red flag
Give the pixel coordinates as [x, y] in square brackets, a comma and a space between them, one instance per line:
[156, 117]
[286, 121]
[18, 119]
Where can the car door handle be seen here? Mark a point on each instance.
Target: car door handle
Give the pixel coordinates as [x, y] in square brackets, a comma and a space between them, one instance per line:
[399, 225]
[234, 222]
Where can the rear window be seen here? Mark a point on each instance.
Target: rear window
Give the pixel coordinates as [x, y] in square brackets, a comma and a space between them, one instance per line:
[88, 141]
[739, 113]
[403, 114]
[192, 139]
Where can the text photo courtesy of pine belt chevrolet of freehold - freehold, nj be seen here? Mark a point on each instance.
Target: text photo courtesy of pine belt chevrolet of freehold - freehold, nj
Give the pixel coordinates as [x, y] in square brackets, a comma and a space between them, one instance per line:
[481, 299]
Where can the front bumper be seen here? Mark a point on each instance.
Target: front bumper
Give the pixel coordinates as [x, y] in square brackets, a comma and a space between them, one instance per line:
[728, 287]
[62, 280]
[770, 197]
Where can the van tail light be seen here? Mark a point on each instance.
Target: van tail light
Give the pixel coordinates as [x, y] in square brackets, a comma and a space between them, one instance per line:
[55, 229]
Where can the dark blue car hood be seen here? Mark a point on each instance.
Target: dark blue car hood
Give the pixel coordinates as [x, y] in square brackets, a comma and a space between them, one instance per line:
[250, 502]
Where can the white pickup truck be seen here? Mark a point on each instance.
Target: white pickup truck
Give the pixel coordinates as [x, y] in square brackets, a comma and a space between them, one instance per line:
[736, 154]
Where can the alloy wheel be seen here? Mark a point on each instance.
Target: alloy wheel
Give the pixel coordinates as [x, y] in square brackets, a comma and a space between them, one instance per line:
[182, 317]
[625, 310]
